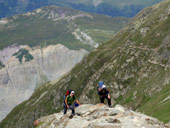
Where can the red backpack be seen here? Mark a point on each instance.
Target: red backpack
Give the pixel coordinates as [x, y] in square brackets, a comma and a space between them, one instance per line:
[67, 93]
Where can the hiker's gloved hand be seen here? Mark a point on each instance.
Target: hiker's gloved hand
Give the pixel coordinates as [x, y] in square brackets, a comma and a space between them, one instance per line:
[67, 106]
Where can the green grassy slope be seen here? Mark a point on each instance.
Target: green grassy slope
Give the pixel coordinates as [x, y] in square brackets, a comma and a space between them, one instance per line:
[134, 65]
[43, 28]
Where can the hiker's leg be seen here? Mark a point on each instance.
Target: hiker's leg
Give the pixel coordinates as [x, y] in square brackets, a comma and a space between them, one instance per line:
[72, 108]
[109, 101]
[65, 109]
[101, 99]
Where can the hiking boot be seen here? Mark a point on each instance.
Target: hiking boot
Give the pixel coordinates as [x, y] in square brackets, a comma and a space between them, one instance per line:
[71, 116]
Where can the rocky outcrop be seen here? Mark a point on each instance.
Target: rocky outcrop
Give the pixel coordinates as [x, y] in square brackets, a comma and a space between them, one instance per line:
[99, 116]
[18, 80]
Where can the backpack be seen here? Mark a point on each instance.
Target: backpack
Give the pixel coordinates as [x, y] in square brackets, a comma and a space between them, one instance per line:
[104, 91]
[67, 93]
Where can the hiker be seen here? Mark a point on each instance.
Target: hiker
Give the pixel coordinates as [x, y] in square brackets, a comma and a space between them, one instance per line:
[103, 93]
[69, 103]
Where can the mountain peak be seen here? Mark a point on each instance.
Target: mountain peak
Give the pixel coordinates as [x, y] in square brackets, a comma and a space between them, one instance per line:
[100, 116]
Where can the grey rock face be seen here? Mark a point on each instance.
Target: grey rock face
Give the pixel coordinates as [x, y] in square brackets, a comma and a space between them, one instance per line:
[123, 119]
[6, 53]
[19, 80]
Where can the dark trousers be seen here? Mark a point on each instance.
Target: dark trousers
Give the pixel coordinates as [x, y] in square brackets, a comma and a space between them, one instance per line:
[70, 107]
[102, 98]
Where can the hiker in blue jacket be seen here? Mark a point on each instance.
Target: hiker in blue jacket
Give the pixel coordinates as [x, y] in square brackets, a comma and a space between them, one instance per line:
[103, 93]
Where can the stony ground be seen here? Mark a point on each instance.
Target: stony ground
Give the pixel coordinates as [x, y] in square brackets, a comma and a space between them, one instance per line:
[100, 116]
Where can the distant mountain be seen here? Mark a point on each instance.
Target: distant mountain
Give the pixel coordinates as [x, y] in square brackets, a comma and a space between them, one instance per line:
[58, 25]
[125, 8]
[135, 66]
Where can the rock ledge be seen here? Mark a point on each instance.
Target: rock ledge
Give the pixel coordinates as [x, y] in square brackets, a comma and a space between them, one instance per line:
[99, 116]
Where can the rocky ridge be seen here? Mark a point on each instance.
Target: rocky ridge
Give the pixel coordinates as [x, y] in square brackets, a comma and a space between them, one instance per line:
[100, 116]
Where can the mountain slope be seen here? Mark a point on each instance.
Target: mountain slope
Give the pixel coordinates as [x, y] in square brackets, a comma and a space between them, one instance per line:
[135, 66]
[127, 8]
[53, 25]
